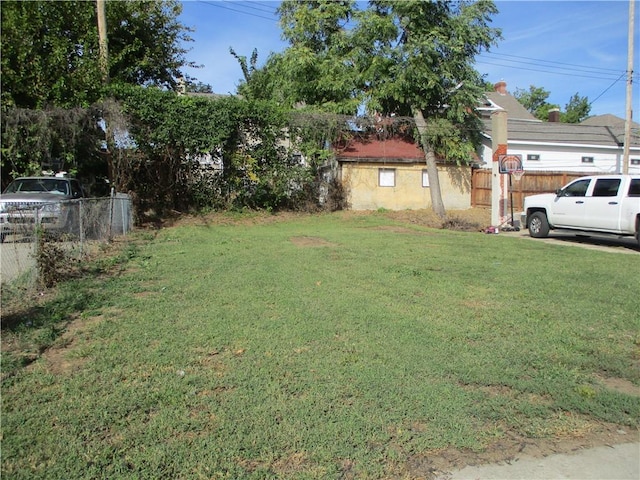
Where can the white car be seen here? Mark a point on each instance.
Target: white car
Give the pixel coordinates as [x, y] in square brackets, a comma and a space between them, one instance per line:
[49, 203]
[598, 204]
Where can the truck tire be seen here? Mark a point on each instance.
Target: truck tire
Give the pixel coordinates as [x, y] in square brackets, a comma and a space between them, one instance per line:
[538, 225]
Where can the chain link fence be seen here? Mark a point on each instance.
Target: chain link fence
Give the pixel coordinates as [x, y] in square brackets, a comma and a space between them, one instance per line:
[77, 227]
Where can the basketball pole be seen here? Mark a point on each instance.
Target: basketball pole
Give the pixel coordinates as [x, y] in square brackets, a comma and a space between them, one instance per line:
[499, 147]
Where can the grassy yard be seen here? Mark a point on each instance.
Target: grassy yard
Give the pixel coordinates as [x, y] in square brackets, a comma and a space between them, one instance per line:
[335, 346]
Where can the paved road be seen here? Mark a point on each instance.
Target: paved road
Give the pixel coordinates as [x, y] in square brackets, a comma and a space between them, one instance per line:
[616, 462]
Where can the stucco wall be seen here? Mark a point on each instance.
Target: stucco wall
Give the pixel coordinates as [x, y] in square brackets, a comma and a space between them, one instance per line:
[364, 192]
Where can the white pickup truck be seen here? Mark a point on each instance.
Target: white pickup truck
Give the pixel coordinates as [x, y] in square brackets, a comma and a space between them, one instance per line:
[598, 204]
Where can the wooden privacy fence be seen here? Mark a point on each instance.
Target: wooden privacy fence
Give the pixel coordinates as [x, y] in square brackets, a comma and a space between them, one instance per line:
[531, 183]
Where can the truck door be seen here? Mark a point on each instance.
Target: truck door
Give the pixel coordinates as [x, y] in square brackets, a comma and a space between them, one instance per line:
[568, 208]
[603, 205]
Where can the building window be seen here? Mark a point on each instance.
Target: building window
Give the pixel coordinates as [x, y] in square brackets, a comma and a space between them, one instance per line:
[425, 178]
[533, 157]
[387, 177]
[635, 161]
[587, 159]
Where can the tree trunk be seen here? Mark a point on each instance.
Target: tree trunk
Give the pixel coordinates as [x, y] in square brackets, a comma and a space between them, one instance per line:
[437, 205]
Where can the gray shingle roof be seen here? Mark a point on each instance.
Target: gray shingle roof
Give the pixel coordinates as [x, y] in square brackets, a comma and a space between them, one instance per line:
[608, 120]
[570, 133]
[509, 103]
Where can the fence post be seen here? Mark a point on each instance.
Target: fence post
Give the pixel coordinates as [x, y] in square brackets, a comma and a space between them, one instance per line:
[110, 213]
[38, 237]
[81, 224]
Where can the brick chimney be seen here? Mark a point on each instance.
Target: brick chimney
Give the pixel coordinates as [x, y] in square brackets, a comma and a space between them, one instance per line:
[554, 115]
[501, 87]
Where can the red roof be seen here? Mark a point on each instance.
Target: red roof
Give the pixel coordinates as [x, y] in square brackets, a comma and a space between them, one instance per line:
[394, 147]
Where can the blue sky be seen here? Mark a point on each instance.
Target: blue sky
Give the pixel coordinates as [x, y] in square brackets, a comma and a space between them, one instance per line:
[565, 47]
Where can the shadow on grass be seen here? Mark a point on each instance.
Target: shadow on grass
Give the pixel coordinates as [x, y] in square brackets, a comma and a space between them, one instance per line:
[29, 331]
[32, 321]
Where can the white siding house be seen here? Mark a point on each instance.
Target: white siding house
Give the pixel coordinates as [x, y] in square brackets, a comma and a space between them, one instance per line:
[595, 146]
[561, 147]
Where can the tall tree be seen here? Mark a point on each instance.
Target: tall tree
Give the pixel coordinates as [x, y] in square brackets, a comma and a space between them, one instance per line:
[50, 50]
[417, 58]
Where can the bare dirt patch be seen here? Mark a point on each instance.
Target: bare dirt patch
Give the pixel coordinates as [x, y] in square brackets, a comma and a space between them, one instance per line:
[231, 218]
[305, 241]
[478, 218]
[473, 219]
[59, 359]
[619, 385]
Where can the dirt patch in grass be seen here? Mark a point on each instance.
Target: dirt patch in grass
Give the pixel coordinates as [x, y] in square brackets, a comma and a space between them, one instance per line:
[619, 385]
[311, 242]
[471, 219]
[232, 218]
[60, 358]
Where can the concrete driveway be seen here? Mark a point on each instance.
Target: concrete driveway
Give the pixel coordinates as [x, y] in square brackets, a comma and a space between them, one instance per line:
[615, 462]
[608, 244]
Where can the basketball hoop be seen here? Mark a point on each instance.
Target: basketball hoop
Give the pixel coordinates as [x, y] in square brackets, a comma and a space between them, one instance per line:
[517, 174]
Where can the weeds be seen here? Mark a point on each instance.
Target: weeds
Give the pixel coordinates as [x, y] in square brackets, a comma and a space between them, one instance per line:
[52, 263]
[460, 224]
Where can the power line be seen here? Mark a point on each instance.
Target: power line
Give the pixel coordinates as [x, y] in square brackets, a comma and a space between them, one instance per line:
[260, 7]
[606, 89]
[542, 61]
[551, 68]
[217, 4]
[567, 74]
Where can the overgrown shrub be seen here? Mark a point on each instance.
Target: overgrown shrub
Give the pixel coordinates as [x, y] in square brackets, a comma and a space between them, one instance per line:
[52, 262]
[176, 153]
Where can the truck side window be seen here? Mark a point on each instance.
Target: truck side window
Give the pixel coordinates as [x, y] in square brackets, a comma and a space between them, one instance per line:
[634, 187]
[577, 189]
[606, 187]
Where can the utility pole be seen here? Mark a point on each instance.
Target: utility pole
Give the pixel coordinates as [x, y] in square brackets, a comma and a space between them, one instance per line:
[104, 66]
[102, 40]
[629, 116]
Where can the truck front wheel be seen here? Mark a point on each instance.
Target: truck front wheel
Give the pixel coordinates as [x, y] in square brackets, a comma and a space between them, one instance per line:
[538, 225]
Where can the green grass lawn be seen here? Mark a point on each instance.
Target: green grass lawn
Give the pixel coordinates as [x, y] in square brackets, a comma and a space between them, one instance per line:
[334, 346]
